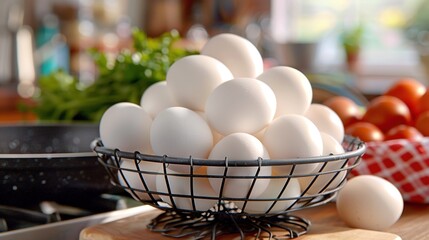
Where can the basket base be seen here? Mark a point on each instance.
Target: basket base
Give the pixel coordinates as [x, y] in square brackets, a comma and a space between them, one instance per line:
[177, 224]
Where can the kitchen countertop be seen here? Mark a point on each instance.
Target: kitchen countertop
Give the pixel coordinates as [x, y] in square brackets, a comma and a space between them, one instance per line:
[326, 224]
[9, 110]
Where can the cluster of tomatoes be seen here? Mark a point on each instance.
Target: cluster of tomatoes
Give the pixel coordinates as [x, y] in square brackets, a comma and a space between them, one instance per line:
[401, 112]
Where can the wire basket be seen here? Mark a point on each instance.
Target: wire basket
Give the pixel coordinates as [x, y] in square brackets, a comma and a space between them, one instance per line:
[200, 204]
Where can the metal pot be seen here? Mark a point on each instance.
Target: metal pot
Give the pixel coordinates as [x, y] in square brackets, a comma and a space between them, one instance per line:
[49, 162]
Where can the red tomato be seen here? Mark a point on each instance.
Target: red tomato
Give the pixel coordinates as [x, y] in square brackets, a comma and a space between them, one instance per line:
[424, 102]
[422, 123]
[365, 131]
[348, 111]
[409, 90]
[387, 112]
[403, 132]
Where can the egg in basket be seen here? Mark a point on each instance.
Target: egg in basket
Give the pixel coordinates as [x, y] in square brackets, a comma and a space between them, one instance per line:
[225, 146]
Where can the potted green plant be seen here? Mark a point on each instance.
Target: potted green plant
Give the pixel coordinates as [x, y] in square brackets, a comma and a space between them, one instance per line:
[351, 40]
[417, 31]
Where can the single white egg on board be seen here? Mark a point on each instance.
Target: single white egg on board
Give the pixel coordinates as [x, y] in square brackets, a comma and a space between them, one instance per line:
[324, 181]
[181, 185]
[293, 136]
[129, 177]
[126, 126]
[191, 79]
[239, 146]
[272, 191]
[369, 202]
[326, 120]
[240, 105]
[237, 53]
[156, 98]
[292, 89]
[181, 132]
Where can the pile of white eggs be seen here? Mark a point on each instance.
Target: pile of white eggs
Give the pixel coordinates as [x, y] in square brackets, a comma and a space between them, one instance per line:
[222, 104]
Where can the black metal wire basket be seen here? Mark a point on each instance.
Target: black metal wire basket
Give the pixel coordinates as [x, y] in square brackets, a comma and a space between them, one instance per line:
[198, 203]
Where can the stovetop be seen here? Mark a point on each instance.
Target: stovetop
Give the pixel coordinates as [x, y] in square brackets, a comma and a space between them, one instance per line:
[53, 220]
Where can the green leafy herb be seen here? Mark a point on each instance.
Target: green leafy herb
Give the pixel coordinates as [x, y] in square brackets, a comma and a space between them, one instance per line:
[63, 98]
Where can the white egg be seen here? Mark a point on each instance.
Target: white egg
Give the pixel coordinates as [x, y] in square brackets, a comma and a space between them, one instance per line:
[216, 135]
[369, 202]
[237, 53]
[181, 185]
[126, 126]
[273, 191]
[239, 146]
[293, 136]
[331, 145]
[191, 79]
[156, 98]
[326, 120]
[292, 89]
[241, 105]
[129, 177]
[180, 132]
[324, 181]
[260, 135]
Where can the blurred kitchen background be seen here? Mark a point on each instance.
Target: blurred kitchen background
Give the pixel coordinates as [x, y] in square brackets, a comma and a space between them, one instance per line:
[366, 44]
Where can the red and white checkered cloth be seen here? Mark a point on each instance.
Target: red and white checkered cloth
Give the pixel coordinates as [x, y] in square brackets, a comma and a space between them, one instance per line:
[404, 163]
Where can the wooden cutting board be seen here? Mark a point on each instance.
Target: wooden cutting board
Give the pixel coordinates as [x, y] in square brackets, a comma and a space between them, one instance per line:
[134, 228]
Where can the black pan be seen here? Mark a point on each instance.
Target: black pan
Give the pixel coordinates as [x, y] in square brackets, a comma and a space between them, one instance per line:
[49, 162]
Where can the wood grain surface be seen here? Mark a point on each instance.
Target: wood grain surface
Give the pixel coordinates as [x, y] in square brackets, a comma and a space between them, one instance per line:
[413, 224]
